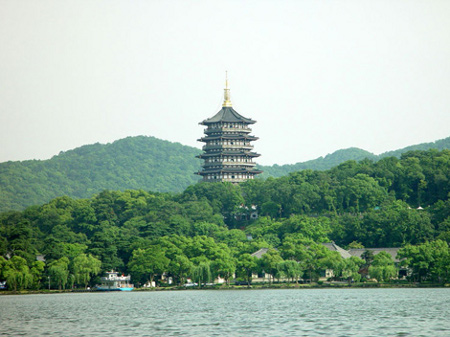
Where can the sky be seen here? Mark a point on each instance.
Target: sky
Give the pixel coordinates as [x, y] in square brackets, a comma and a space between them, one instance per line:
[317, 76]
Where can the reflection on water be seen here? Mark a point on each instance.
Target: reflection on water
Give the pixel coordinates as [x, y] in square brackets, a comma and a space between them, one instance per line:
[299, 312]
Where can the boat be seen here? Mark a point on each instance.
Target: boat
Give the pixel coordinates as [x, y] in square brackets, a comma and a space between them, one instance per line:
[114, 282]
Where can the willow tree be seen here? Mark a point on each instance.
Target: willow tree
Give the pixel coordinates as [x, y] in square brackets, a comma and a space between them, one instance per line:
[382, 268]
[59, 272]
[202, 273]
[84, 267]
[17, 273]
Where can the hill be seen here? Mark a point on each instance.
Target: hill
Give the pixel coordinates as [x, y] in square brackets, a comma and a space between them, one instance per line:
[141, 162]
[132, 163]
[441, 144]
[355, 205]
[340, 156]
[321, 163]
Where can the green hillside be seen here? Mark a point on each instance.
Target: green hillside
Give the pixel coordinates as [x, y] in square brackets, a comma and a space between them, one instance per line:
[141, 162]
[210, 229]
[131, 163]
[438, 145]
[353, 153]
[321, 163]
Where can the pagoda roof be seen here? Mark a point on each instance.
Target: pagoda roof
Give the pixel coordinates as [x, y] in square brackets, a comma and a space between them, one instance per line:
[230, 170]
[237, 136]
[229, 153]
[227, 114]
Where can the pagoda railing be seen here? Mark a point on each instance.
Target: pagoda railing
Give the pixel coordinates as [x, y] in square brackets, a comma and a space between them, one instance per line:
[223, 146]
[229, 163]
[213, 130]
[230, 180]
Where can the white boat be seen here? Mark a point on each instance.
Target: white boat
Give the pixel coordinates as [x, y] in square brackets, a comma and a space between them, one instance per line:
[113, 282]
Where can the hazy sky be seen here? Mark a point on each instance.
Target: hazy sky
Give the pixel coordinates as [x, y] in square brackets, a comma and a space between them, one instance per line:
[317, 76]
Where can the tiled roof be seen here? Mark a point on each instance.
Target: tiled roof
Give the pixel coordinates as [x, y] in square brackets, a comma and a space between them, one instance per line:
[391, 251]
[260, 252]
[229, 136]
[227, 114]
[236, 170]
[334, 247]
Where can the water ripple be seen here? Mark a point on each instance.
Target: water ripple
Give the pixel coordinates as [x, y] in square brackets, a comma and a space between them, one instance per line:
[289, 312]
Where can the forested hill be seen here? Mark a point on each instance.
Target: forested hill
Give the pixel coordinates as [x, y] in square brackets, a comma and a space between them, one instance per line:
[205, 231]
[139, 162]
[321, 163]
[340, 156]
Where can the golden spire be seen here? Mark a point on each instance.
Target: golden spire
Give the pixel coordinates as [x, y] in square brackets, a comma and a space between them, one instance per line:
[226, 100]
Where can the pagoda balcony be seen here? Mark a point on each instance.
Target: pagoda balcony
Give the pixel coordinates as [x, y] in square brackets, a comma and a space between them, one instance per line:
[214, 130]
[229, 180]
[230, 163]
[225, 147]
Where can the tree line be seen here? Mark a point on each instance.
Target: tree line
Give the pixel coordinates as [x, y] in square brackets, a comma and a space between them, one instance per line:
[138, 162]
[208, 229]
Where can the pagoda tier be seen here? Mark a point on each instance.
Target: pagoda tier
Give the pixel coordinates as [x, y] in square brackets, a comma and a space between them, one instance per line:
[231, 170]
[222, 154]
[228, 174]
[227, 137]
[221, 129]
[227, 151]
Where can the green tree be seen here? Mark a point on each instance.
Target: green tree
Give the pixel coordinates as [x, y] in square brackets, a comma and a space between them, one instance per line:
[246, 266]
[201, 273]
[315, 258]
[148, 263]
[17, 274]
[270, 263]
[84, 267]
[382, 268]
[427, 261]
[291, 270]
[59, 272]
[350, 269]
[224, 264]
[37, 269]
[180, 267]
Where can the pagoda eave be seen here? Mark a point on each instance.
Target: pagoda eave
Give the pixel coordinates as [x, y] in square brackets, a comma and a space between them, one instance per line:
[228, 153]
[235, 171]
[228, 137]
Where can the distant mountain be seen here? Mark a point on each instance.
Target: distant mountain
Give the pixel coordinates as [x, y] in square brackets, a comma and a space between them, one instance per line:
[338, 157]
[139, 162]
[321, 163]
[438, 145]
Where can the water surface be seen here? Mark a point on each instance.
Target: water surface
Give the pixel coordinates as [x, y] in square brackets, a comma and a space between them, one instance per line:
[290, 312]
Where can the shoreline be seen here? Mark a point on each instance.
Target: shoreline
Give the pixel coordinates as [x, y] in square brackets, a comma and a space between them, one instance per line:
[237, 288]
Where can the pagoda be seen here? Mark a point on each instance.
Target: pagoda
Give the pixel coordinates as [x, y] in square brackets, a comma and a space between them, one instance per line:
[228, 152]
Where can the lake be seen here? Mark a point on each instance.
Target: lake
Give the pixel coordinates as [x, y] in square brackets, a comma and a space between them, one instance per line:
[289, 312]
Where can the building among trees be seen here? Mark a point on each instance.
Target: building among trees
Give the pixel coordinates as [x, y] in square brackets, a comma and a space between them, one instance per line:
[228, 152]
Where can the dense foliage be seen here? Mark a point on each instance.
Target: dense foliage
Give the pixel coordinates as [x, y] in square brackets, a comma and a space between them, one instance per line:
[207, 230]
[133, 163]
[130, 163]
[340, 156]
